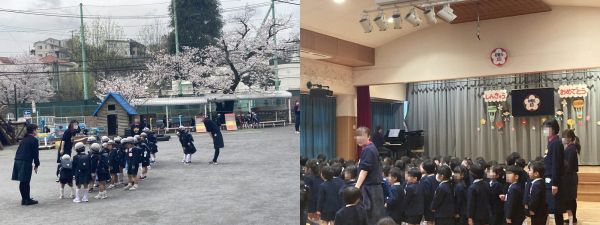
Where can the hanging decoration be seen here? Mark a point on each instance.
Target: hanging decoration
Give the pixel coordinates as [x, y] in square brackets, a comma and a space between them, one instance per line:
[482, 121]
[543, 120]
[573, 91]
[578, 107]
[559, 115]
[499, 57]
[523, 122]
[587, 118]
[491, 110]
[598, 123]
[570, 123]
[499, 124]
[506, 115]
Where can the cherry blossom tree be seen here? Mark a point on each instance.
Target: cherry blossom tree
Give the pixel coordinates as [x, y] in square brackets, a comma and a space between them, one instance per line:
[242, 55]
[28, 76]
[130, 85]
[165, 67]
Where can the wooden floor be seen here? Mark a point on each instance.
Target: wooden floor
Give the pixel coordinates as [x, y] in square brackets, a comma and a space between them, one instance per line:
[589, 169]
[587, 213]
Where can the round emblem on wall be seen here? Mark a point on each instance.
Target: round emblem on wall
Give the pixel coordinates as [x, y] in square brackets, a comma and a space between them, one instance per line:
[532, 103]
[499, 56]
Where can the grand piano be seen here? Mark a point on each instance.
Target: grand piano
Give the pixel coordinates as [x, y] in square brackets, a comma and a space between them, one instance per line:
[403, 143]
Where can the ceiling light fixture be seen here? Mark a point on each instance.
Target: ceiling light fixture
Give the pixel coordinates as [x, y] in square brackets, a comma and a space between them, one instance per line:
[339, 1]
[380, 21]
[397, 19]
[413, 18]
[430, 15]
[365, 23]
[447, 14]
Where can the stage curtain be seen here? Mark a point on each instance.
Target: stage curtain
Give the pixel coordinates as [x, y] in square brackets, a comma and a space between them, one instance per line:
[388, 115]
[450, 112]
[317, 126]
[363, 107]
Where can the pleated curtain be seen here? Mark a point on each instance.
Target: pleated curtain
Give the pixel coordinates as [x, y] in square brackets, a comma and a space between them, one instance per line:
[388, 115]
[317, 126]
[450, 113]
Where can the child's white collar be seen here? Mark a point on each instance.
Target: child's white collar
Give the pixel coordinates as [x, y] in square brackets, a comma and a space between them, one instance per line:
[477, 180]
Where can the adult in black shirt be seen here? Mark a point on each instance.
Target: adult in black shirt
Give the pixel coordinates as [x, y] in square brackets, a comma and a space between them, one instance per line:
[67, 139]
[369, 178]
[217, 137]
[27, 153]
[571, 179]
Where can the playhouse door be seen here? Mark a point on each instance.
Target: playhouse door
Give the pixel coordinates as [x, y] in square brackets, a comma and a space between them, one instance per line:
[111, 121]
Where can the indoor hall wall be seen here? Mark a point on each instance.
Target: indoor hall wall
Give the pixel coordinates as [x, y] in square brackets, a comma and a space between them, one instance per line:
[395, 92]
[564, 38]
[339, 79]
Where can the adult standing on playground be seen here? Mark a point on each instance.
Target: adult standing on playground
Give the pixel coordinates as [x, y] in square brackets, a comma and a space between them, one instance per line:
[66, 143]
[297, 119]
[27, 153]
[217, 137]
[554, 170]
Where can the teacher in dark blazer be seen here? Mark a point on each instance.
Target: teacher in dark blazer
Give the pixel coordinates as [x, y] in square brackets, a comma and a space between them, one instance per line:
[26, 160]
[217, 137]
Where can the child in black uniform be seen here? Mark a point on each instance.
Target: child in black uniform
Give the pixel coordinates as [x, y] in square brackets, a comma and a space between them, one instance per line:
[94, 154]
[428, 185]
[313, 180]
[113, 164]
[443, 204]
[329, 199]
[394, 202]
[352, 213]
[350, 176]
[413, 197]
[144, 145]
[538, 210]
[133, 162]
[82, 172]
[495, 174]
[478, 197]
[460, 193]
[514, 210]
[102, 173]
[122, 157]
[65, 175]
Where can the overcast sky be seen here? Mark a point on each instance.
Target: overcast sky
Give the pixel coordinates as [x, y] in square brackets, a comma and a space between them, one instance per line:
[18, 32]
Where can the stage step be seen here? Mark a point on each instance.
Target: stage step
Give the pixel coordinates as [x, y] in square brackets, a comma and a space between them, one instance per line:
[588, 188]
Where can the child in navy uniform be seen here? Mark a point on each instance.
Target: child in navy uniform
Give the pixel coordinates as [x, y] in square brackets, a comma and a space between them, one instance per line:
[460, 193]
[514, 211]
[329, 199]
[428, 186]
[113, 163]
[495, 174]
[144, 145]
[133, 155]
[443, 204]
[350, 176]
[82, 173]
[478, 197]
[538, 210]
[352, 213]
[122, 156]
[102, 173]
[394, 202]
[151, 144]
[65, 175]
[413, 197]
[94, 154]
[313, 181]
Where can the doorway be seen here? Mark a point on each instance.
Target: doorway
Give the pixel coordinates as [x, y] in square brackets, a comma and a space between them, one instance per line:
[112, 126]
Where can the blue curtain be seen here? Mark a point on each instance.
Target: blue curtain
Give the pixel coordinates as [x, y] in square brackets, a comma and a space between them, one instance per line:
[317, 126]
[387, 115]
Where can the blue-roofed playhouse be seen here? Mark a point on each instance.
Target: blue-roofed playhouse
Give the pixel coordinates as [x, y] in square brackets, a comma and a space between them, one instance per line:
[114, 114]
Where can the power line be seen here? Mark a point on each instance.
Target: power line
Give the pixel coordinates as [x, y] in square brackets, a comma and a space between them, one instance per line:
[292, 3]
[157, 3]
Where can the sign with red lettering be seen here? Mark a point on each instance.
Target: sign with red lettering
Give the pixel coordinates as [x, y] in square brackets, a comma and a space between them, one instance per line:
[499, 56]
[495, 95]
[573, 91]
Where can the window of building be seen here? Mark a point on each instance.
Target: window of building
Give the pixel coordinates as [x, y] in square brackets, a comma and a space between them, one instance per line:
[111, 107]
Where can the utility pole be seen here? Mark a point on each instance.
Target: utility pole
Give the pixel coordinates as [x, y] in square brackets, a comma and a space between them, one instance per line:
[16, 104]
[174, 5]
[83, 55]
[275, 61]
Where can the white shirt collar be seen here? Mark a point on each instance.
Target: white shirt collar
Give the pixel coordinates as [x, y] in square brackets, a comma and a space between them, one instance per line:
[477, 180]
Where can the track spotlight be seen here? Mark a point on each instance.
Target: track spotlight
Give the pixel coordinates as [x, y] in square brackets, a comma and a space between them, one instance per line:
[365, 23]
[430, 15]
[397, 19]
[413, 18]
[380, 21]
[447, 13]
